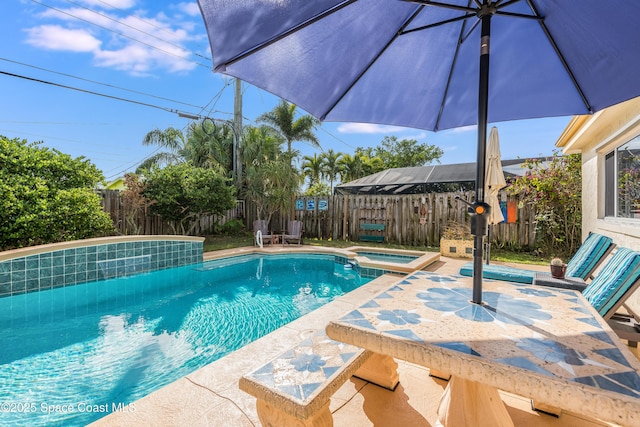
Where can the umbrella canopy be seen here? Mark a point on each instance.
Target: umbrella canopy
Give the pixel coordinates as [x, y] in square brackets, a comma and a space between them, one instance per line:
[494, 181]
[425, 64]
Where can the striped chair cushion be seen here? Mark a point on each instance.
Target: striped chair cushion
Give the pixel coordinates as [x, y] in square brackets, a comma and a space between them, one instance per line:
[588, 255]
[614, 280]
[500, 272]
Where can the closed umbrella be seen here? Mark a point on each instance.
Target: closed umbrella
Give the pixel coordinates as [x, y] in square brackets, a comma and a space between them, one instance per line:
[425, 64]
[494, 182]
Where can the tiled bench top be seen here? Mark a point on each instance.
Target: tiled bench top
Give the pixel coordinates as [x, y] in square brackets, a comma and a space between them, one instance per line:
[301, 380]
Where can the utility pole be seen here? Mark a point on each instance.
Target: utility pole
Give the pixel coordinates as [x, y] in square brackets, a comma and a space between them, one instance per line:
[237, 127]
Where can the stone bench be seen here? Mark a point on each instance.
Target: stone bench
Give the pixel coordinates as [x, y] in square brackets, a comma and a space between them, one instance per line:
[295, 388]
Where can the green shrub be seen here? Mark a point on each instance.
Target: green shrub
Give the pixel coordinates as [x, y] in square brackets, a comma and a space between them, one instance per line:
[233, 227]
[183, 193]
[47, 196]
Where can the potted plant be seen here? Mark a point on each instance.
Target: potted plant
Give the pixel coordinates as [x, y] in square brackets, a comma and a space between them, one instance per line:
[558, 268]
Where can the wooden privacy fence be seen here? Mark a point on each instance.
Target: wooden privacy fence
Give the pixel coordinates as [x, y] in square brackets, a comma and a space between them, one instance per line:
[413, 219]
[129, 221]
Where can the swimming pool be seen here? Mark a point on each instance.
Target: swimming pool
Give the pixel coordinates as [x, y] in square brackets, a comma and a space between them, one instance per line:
[75, 354]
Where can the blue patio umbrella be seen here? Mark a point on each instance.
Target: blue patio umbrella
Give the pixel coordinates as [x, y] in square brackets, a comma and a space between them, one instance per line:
[425, 64]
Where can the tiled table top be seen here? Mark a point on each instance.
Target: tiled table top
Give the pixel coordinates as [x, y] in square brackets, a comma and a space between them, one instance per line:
[543, 343]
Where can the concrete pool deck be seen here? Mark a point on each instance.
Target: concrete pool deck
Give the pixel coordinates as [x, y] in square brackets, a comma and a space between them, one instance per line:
[210, 396]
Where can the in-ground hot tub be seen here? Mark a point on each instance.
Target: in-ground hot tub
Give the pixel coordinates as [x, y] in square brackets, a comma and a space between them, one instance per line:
[398, 260]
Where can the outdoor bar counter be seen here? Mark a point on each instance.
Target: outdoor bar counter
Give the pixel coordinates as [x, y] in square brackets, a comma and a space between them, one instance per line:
[542, 343]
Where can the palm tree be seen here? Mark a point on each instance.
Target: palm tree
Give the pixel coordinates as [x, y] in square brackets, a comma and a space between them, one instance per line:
[312, 168]
[271, 186]
[170, 139]
[282, 119]
[210, 146]
[331, 166]
[358, 166]
[270, 181]
[259, 145]
[352, 167]
[373, 165]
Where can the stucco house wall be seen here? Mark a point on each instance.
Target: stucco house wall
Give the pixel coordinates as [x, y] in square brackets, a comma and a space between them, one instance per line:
[594, 137]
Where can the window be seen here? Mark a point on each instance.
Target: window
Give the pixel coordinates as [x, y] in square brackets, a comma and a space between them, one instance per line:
[622, 181]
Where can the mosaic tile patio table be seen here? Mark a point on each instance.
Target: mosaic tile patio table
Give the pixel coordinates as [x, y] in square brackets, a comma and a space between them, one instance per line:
[543, 343]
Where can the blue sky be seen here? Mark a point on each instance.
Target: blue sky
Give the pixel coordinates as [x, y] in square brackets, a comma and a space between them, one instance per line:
[154, 57]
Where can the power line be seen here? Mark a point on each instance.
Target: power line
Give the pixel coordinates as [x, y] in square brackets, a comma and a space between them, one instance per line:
[121, 34]
[300, 114]
[151, 24]
[98, 83]
[123, 168]
[48, 137]
[117, 98]
[113, 172]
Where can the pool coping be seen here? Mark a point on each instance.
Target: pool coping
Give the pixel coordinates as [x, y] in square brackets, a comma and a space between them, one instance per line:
[424, 258]
[50, 247]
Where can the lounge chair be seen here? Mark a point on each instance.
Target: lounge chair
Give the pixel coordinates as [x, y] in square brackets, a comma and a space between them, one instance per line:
[582, 265]
[294, 232]
[615, 282]
[618, 279]
[261, 225]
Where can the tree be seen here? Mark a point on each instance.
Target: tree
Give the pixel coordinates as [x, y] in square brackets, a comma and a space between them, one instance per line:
[331, 166]
[351, 167]
[172, 140]
[555, 193]
[359, 165]
[183, 193]
[403, 153]
[318, 189]
[270, 180]
[271, 185]
[282, 119]
[206, 145]
[134, 202]
[210, 146]
[47, 196]
[261, 143]
[312, 168]
[628, 182]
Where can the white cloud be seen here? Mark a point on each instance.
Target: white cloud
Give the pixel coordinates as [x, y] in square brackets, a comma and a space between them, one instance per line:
[131, 58]
[55, 37]
[190, 8]
[368, 128]
[463, 129]
[119, 4]
[417, 137]
[132, 42]
[139, 60]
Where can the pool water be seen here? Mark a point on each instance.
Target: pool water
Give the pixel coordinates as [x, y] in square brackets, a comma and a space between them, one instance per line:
[75, 354]
[385, 257]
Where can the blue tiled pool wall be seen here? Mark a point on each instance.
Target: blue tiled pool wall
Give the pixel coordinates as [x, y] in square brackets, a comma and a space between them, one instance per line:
[91, 263]
[363, 271]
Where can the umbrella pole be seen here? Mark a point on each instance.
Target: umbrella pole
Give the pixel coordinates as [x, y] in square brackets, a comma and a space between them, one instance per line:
[483, 107]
